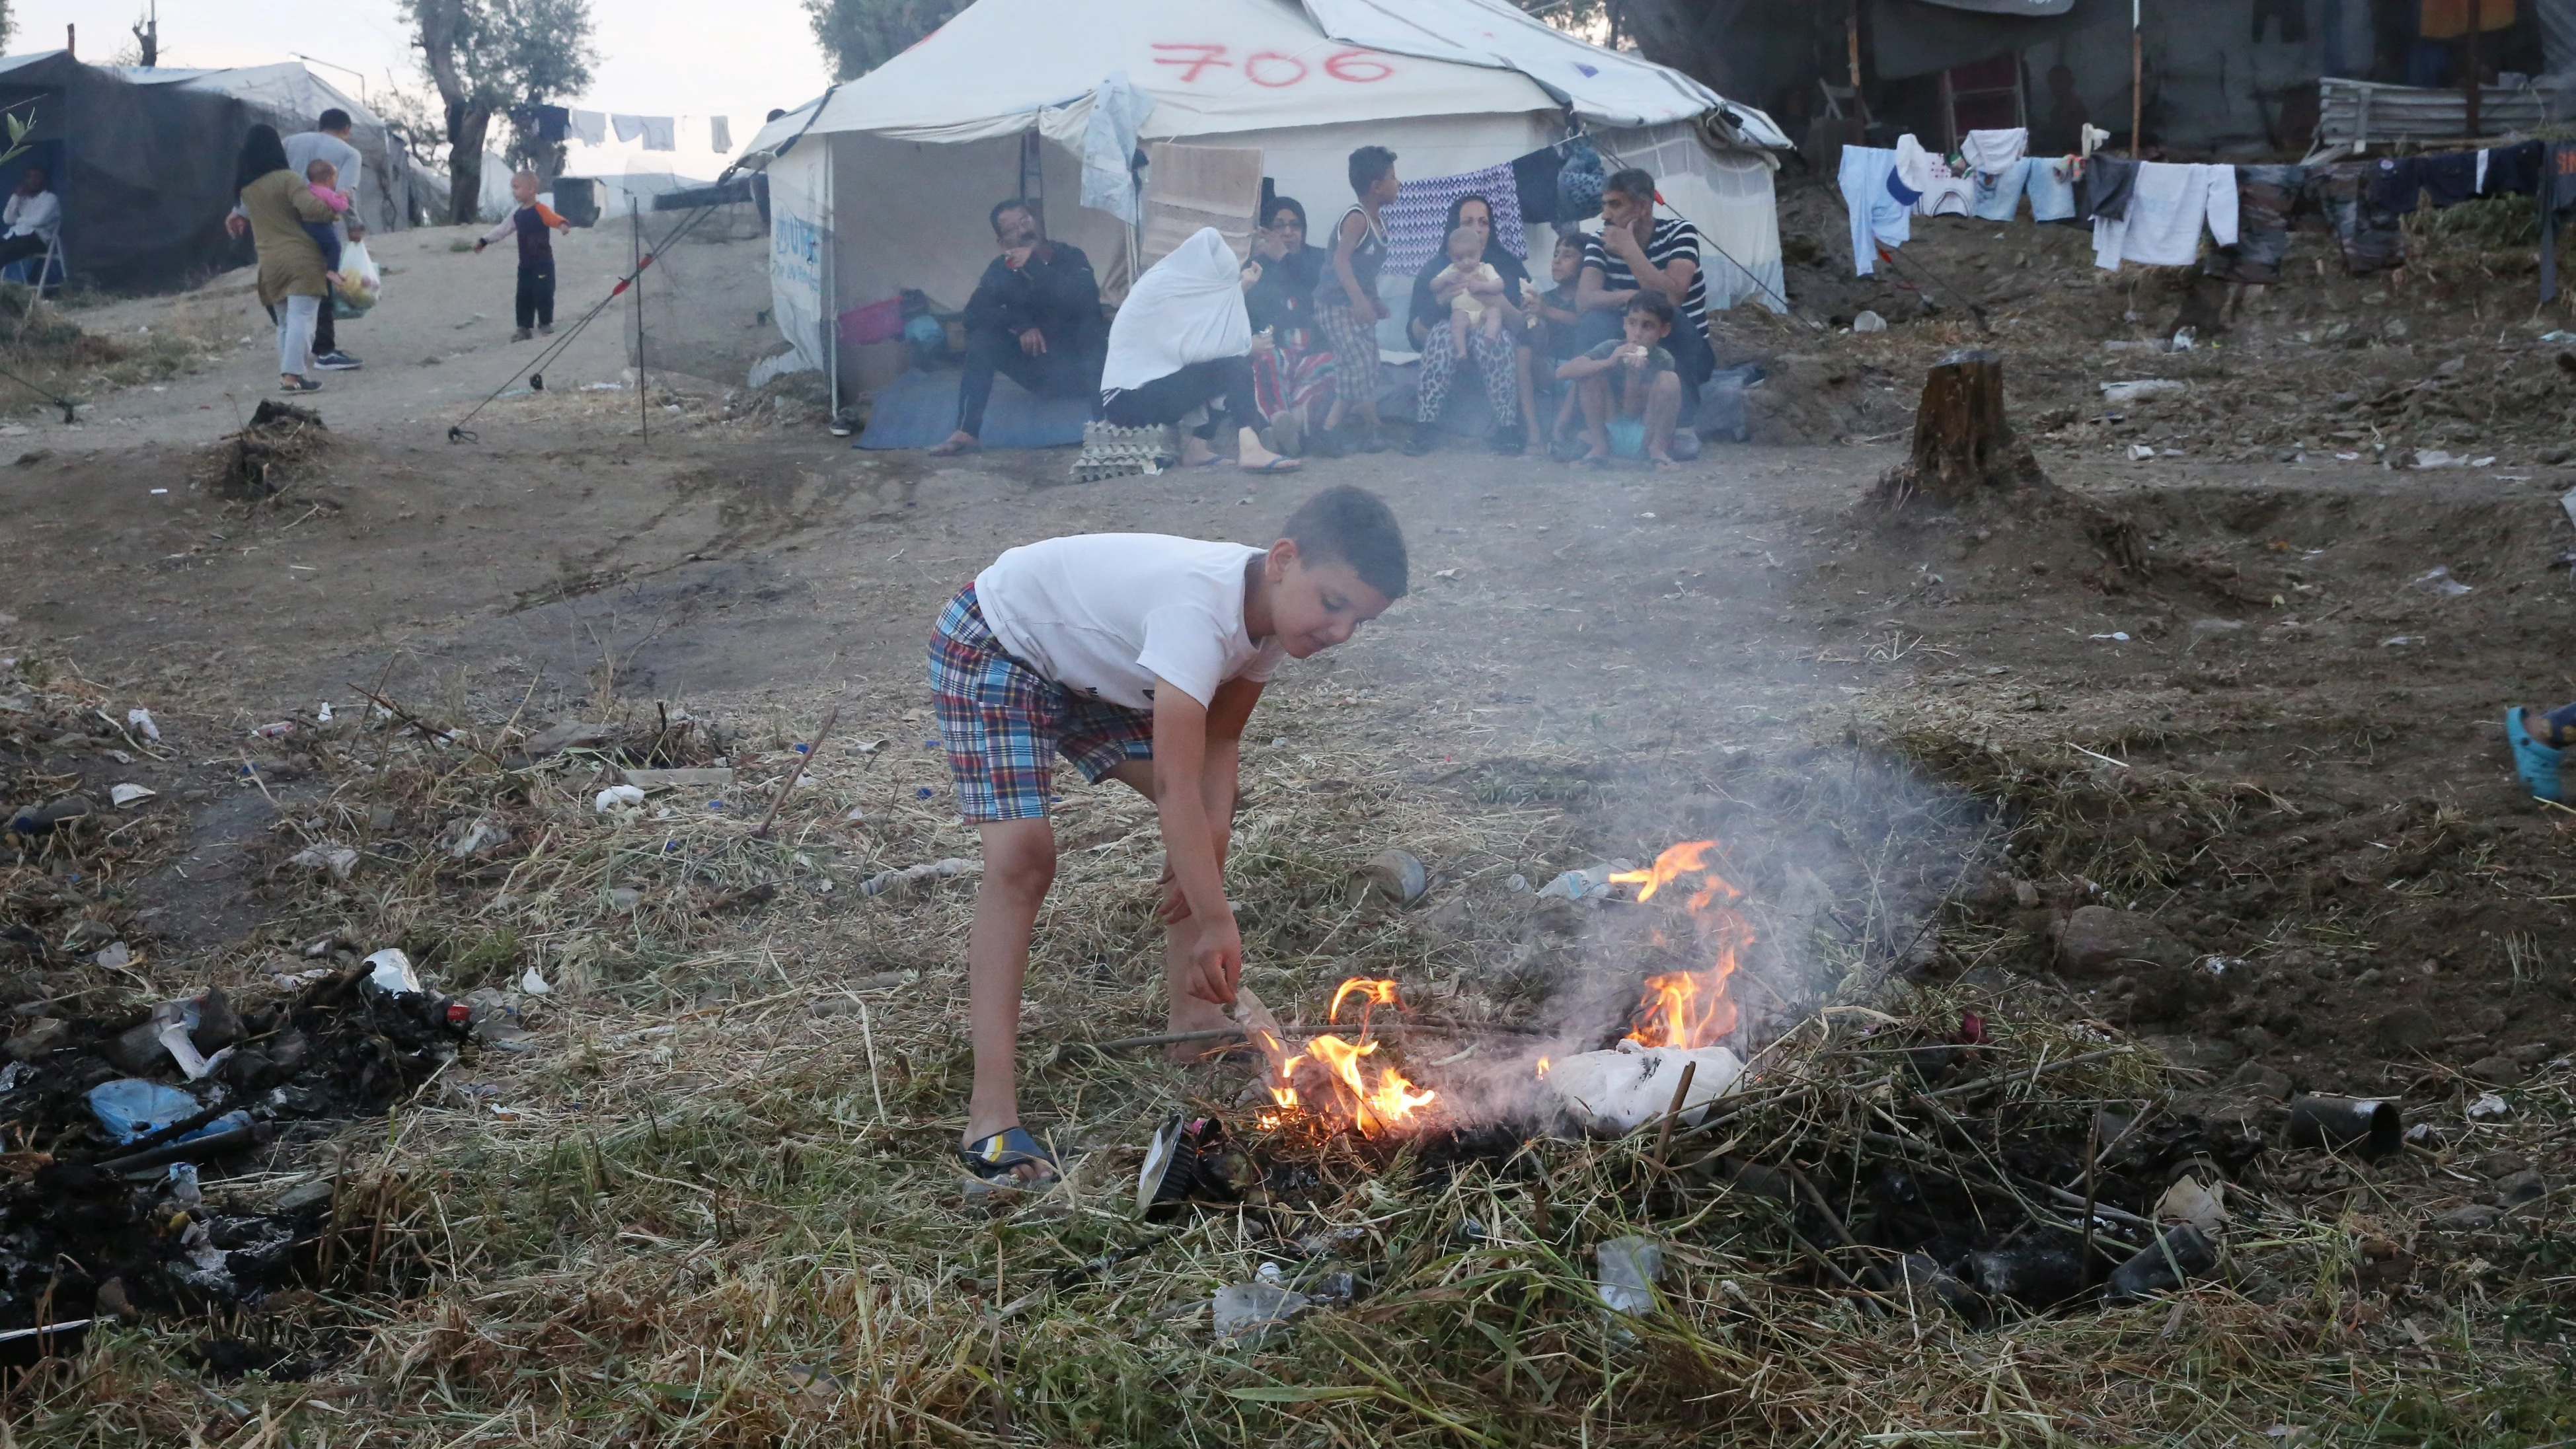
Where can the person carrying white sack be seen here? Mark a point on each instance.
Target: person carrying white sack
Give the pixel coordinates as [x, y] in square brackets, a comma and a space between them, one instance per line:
[1182, 341]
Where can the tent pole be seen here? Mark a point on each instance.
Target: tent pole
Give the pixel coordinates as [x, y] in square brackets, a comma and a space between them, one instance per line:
[831, 285]
[2469, 63]
[1851, 47]
[643, 403]
[2137, 76]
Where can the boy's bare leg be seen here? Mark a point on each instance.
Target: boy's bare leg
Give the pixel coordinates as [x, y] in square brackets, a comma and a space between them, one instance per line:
[1595, 393]
[1019, 865]
[1663, 407]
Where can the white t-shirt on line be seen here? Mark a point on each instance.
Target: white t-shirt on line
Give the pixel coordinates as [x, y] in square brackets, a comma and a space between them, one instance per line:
[1106, 614]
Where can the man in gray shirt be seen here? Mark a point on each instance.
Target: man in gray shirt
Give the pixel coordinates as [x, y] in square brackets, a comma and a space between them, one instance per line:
[328, 141]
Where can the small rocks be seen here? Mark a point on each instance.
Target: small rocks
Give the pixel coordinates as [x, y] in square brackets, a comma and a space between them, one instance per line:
[2263, 1081]
[2404, 1031]
[37, 1038]
[2468, 1218]
[2521, 1187]
[2499, 1069]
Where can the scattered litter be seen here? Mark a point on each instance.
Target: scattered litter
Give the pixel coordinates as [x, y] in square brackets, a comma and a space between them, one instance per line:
[389, 971]
[276, 730]
[2221, 965]
[482, 835]
[114, 954]
[603, 387]
[887, 880]
[2140, 452]
[2438, 580]
[322, 712]
[2488, 1107]
[129, 1108]
[1397, 875]
[2143, 389]
[2188, 1202]
[339, 860]
[124, 795]
[2369, 1125]
[2121, 636]
[2165, 1264]
[534, 984]
[617, 797]
[2184, 339]
[1517, 883]
[624, 898]
[1592, 883]
[2437, 458]
[1869, 322]
[1619, 1090]
[1628, 1270]
[1250, 1313]
[46, 818]
[2401, 641]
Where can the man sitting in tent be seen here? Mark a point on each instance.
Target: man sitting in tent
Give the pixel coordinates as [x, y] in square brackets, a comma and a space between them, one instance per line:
[1635, 252]
[1034, 318]
[33, 216]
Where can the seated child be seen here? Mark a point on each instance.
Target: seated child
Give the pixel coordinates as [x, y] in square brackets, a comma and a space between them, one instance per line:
[1139, 658]
[321, 178]
[1551, 318]
[1631, 394]
[1473, 306]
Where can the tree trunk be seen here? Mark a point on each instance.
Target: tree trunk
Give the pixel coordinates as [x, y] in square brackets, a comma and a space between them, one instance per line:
[467, 126]
[1963, 444]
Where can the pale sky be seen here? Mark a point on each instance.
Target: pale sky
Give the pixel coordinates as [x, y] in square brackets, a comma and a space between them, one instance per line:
[681, 58]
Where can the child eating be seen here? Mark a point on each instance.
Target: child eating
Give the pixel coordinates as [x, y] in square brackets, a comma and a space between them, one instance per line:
[1631, 394]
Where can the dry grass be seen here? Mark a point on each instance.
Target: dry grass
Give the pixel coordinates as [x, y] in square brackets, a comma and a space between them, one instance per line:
[712, 1207]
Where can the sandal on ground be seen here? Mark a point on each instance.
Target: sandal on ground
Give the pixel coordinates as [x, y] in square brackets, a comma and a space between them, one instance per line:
[2535, 762]
[951, 448]
[992, 1164]
[1276, 465]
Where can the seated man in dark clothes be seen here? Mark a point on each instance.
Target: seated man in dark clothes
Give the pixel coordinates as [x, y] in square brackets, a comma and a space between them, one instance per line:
[1035, 318]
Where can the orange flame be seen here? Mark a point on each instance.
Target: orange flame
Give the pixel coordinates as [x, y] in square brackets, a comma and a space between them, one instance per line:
[1542, 1066]
[1390, 1103]
[1370, 992]
[1685, 1009]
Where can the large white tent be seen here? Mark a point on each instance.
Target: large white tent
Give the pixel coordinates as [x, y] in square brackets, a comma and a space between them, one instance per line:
[883, 183]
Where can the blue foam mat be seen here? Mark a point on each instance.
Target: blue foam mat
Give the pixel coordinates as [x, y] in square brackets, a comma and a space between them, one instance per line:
[919, 409]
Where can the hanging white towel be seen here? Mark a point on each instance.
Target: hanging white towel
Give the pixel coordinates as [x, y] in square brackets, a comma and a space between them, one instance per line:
[590, 128]
[720, 133]
[628, 127]
[1118, 107]
[1992, 152]
[1187, 308]
[2166, 214]
[661, 133]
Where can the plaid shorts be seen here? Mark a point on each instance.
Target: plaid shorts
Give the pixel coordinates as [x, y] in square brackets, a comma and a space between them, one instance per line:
[1354, 343]
[1000, 720]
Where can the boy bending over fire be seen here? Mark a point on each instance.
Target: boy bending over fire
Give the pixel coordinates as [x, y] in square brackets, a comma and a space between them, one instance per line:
[1138, 657]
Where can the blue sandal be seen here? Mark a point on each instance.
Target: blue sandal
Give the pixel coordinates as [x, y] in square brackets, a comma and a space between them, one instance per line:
[2535, 762]
[993, 1164]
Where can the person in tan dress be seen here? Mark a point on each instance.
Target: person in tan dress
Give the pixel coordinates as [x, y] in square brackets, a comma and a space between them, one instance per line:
[292, 283]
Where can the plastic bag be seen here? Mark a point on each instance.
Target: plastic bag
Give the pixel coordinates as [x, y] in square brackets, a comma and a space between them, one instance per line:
[360, 281]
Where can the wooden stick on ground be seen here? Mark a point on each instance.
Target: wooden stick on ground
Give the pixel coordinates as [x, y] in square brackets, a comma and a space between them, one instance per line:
[830, 718]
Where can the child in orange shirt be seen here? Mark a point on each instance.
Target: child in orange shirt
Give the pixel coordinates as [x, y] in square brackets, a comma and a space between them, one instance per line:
[530, 220]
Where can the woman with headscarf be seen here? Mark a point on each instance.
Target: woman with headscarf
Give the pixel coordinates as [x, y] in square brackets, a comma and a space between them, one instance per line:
[292, 283]
[1502, 363]
[1182, 341]
[1292, 368]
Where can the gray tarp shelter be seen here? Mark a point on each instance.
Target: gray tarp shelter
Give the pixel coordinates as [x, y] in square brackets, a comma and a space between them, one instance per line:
[143, 159]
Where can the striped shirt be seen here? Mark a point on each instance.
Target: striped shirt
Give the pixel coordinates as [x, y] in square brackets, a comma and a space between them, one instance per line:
[1672, 238]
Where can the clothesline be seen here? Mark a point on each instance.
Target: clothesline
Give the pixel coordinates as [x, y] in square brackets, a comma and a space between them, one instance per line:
[2157, 213]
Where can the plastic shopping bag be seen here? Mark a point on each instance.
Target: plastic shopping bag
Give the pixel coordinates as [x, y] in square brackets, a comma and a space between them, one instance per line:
[360, 282]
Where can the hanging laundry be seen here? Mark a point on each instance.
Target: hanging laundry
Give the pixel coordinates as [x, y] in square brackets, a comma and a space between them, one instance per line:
[1415, 219]
[2050, 185]
[590, 128]
[1118, 107]
[720, 133]
[628, 127]
[2266, 197]
[2370, 235]
[2512, 170]
[1989, 152]
[2167, 209]
[1911, 176]
[1945, 194]
[2108, 183]
[661, 133]
[1999, 193]
[2557, 197]
[1579, 184]
[1878, 219]
[550, 123]
[2450, 177]
[1534, 177]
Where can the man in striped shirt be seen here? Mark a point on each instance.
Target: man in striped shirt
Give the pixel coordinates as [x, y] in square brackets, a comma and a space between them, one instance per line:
[1636, 252]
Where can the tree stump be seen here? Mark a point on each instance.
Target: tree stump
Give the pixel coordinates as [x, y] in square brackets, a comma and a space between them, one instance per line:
[1963, 444]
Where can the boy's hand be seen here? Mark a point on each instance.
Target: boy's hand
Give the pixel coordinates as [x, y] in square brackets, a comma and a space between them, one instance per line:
[1216, 957]
[478, 248]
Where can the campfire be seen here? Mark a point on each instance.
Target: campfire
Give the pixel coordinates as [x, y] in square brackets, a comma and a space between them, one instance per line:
[1673, 1059]
[1332, 1084]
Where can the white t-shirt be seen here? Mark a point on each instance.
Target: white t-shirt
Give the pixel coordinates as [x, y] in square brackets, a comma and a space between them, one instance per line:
[1106, 614]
